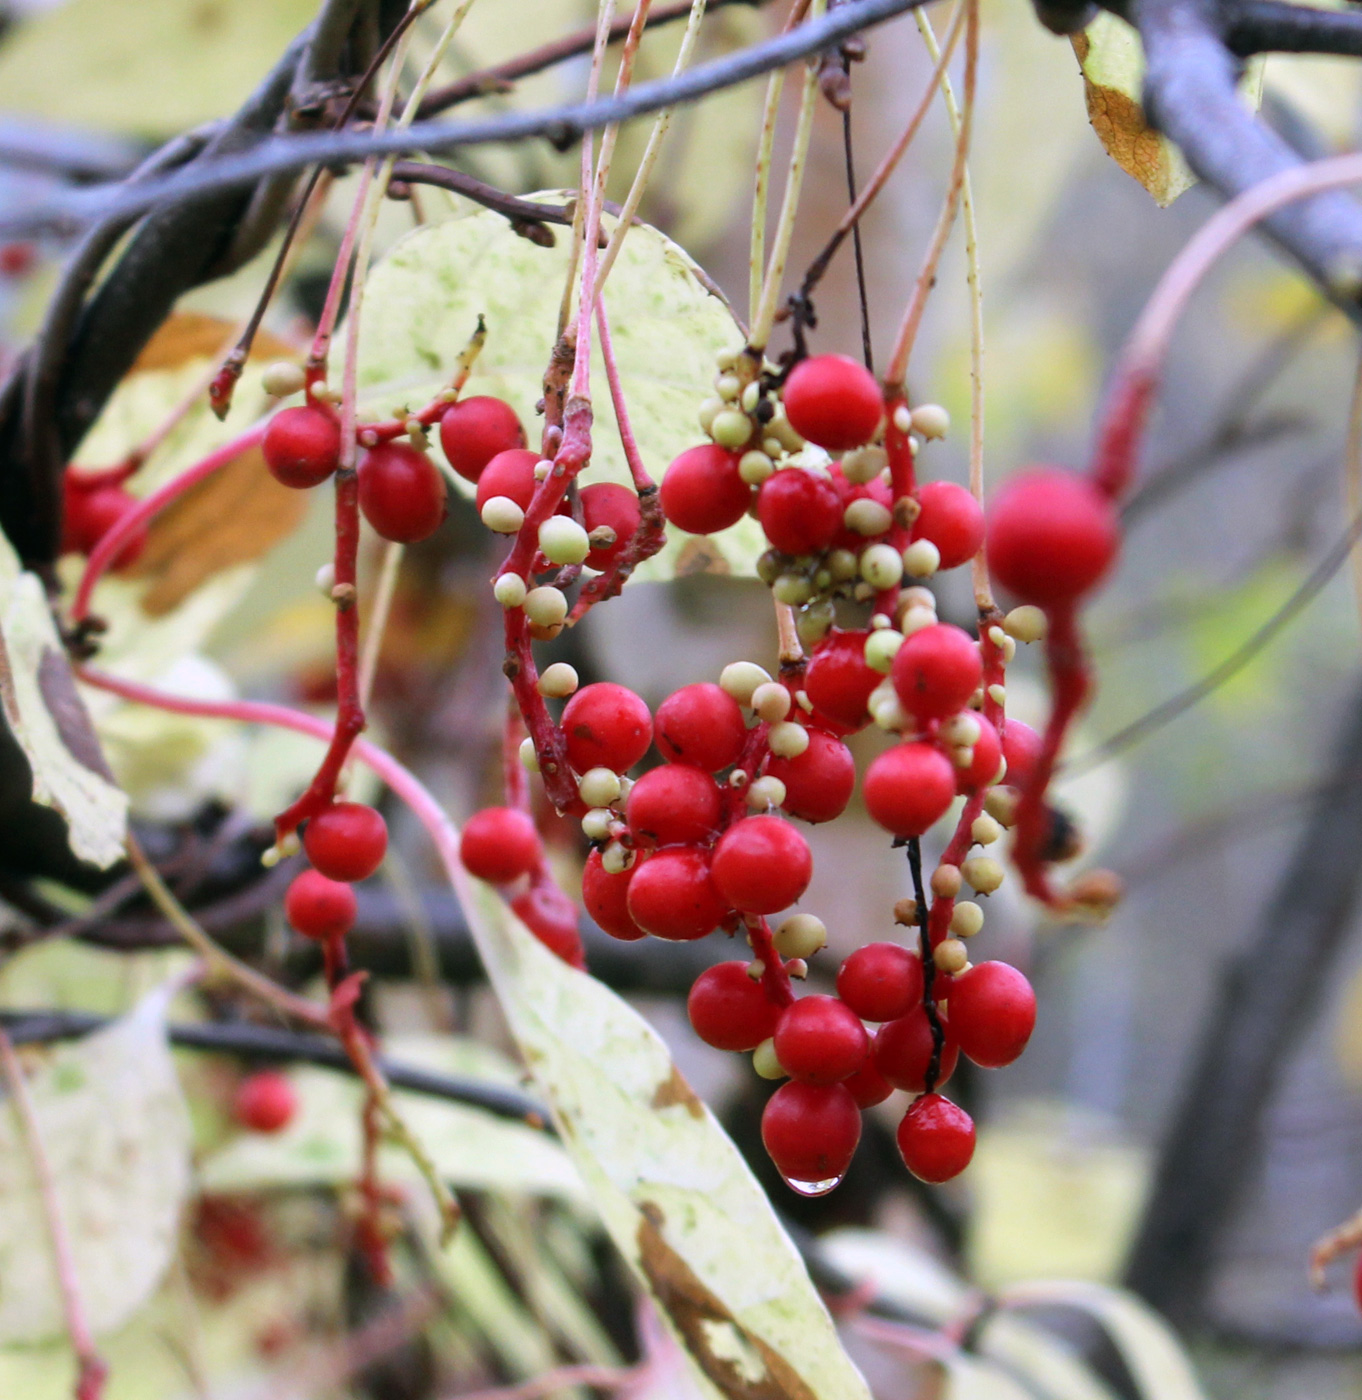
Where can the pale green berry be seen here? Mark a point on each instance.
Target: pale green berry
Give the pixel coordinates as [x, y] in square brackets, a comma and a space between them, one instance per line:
[800, 936]
[728, 387]
[984, 830]
[787, 740]
[765, 793]
[962, 729]
[880, 649]
[616, 859]
[282, 379]
[597, 823]
[502, 515]
[558, 681]
[771, 702]
[867, 517]
[546, 606]
[983, 873]
[792, 589]
[751, 397]
[709, 411]
[509, 590]
[814, 623]
[529, 760]
[731, 429]
[967, 918]
[1026, 623]
[931, 420]
[915, 619]
[903, 420]
[740, 679]
[921, 559]
[755, 467]
[881, 566]
[862, 465]
[764, 1060]
[325, 579]
[563, 541]
[842, 565]
[599, 787]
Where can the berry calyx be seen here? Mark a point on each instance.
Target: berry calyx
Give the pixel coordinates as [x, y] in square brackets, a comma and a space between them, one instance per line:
[606, 505]
[821, 1040]
[800, 511]
[952, 520]
[475, 430]
[673, 896]
[811, 1132]
[762, 865]
[729, 1010]
[320, 908]
[881, 981]
[936, 1139]
[909, 788]
[302, 446]
[674, 805]
[701, 726]
[833, 401]
[703, 490]
[509, 474]
[606, 897]
[401, 492]
[606, 726]
[346, 841]
[936, 670]
[993, 1012]
[265, 1102]
[819, 781]
[500, 844]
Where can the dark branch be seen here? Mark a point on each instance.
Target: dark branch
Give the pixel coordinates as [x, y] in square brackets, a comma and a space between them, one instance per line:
[1268, 26]
[524, 214]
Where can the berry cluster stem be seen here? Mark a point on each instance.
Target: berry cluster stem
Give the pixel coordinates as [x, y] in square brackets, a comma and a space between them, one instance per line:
[928, 966]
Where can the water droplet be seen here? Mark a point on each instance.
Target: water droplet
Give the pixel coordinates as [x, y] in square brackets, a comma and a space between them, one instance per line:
[814, 1188]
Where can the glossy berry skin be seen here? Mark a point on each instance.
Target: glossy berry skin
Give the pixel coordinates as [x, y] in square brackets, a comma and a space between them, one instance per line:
[811, 1130]
[346, 841]
[606, 897]
[401, 492]
[868, 1086]
[988, 755]
[903, 1051]
[1021, 749]
[909, 788]
[819, 782]
[952, 520]
[1052, 536]
[509, 474]
[89, 513]
[474, 430]
[500, 844]
[936, 1139]
[762, 865]
[552, 917]
[703, 491]
[993, 1012]
[674, 805]
[730, 1011]
[606, 726]
[320, 908]
[265, 1102]
[936, 671]
[302, 446]
[608, 504]
[800, 511]
[833, 401]
[673, 896]
[881, 981]
[838, 682]
[820, 1040]
[702, 727]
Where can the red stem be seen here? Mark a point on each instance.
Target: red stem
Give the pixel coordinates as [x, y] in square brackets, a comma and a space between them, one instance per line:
[902, 484]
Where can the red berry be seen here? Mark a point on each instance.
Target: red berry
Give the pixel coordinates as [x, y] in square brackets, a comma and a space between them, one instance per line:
[800, 511]
[881, 981]
[903, 1051]
[702, 727]
[552, 917]
[500, 844]
[993, 1012]
[606, 897]
[811, 1132]
[302, 446]
[936, 670]
[762, 865]
[474, 430]
[833, 401]
[703, 491]
[265, 1102]
[909, 788]
[821, 1040]
[17, 259]
[988, 758]
[401, 492]
[729, 1010]
[346, 841]
[1021, 749]
[320, 908]
[838, 682]
[1051, 536]
[936, 1139]
[673, 896]
[89, 513]
[952, 520]
[819, 782]
[674, 805]
[509, 474]
[868, 1086]
[606, 726]
[608, 505]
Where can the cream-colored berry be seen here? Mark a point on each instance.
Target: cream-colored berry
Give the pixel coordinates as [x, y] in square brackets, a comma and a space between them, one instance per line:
[905, 911]
[921, 559]
[998, 694]
[787, 740]
[751, 397]
[903, 420]
[800, 936]
[784, 433]
[771, 702]
[764, 1060]
[967, 918]
[792, 589]
[963, 757]
[737, 779]
[616, 859]
[509, 590]
[709, 411]
[597, 823]
[961, 729]
[741, 679]
[1026, 623]
[558, 681]
[756, 969]
[946, 881]
[983, 873]
[862, 465]
[867, 517]
[563, 541]
[728, 387]
[726, 359]
[880, 649]
[281, 379]
[917, 596]
[323, 392]
[798, 969]
[985, 830]
[765, 794]
[546, 607]
[731, 428]
[502, 515]
[803, 701]
[1001, 804]
[841, 564]
[815, 622]
[755, 467]
[1009, 651]
[325, 579]
[529, 759]
[950, 956]
[599, 787]
[773, 447]
[543, 469]
[879, 621]
[881, 566]
[915, 619]
[931, 420]
[887, 711]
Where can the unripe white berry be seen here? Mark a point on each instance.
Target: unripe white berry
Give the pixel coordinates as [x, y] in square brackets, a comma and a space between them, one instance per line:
[931, 420]
[961, 729]
[599, 787]
[867, 517]
[918, 597]
[787, 740]
[764, 1060]
[558, 681]
[563, 541]
[282, 379]
[709, 411]
[798, 969]
[985, 830]
[784, 433]
[597, 823]
[325, 579]
[967, 918]
[842, 565]
[1001, 804]
[726, 359]
[903, 420]
[862, 465]
[755, 467]
[1009, 651]
[509, 590]
[546, 606]
[542, 470]
[983, 873]
[800, 936]
[946, 881]
[740, 679]
[921, 559]
[616, 859]
[880, 649]
[773, 447]
[771, 702]
[950, 956]
[529, 759]
[1026, 623]
[998, 694]
[502, 515]
[881, 566]
[963, 757]
[792, 589]
[731, 428]
[815, 622]
[756, 969]
[887, 711]
[915, 619]
[765, 793]
[751, 397]
[728, 387]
